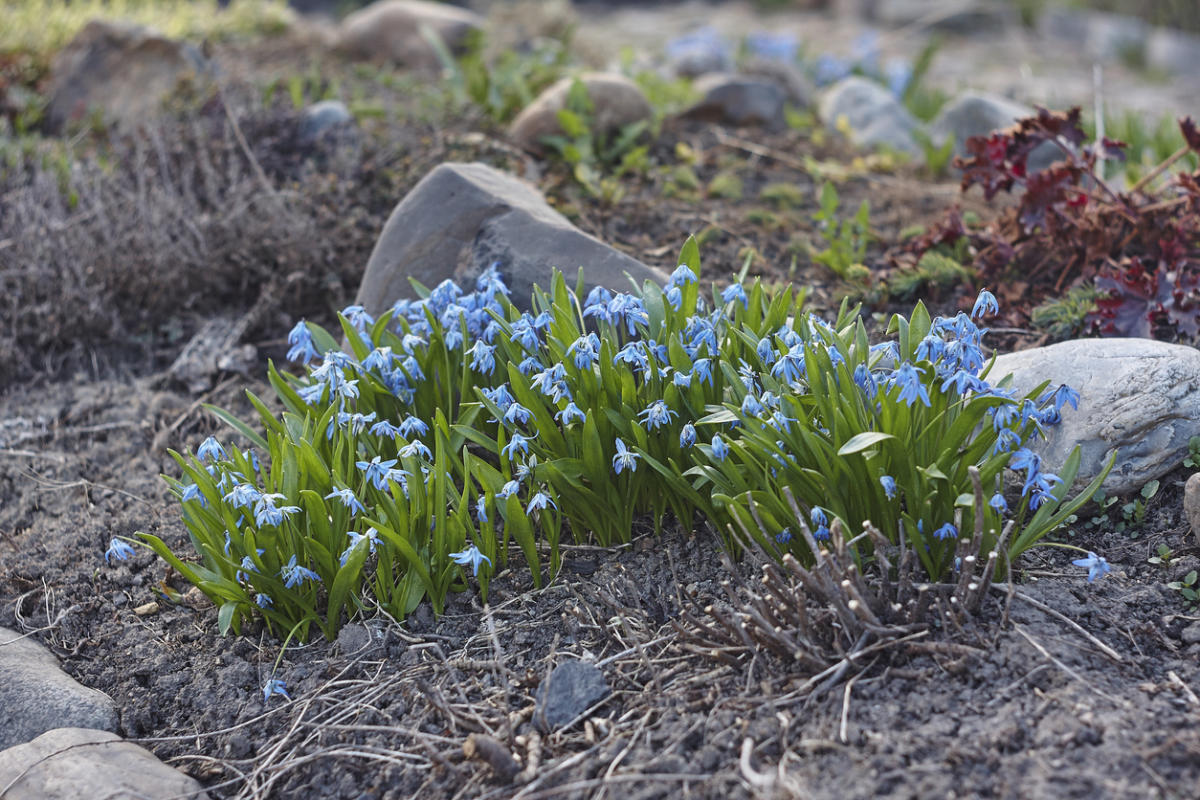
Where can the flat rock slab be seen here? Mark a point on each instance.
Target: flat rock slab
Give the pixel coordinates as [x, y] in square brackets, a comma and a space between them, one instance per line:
[462, 218]
[37, 696]
[1139, 396]
[74, 763]
[570, 689]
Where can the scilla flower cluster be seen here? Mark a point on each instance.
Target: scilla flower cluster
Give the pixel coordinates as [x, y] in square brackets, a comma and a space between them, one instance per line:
[421, 450]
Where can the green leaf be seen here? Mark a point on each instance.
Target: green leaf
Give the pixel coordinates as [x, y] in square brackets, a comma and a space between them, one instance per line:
[245, 430]
[863, 441]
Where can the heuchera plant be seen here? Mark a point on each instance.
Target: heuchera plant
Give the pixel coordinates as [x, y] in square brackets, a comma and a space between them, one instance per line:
[1141, 245]
[456, 430]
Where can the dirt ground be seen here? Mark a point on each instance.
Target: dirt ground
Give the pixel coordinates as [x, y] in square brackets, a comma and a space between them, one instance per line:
[1058, 689]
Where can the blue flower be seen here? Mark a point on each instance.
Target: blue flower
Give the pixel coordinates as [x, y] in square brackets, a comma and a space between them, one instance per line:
[773, 46]
[210, 449]
[702, 368]
[962, 382]
[192, 492]
[657, 414]
[781, 422]
[899, 75]
[1004, 416]
[471, 556]
[348, 500]
[117, 549]
[516, 414]
[790, 366]
[263, 600]
[784, 536]
[376, 471]
[572, 413]
[481, 509]
[947, 531]
[682, 379]
[524, 333]
[818, 517]
[293, 575]
[687, 436]
[624, 459]
[483, 358]
[416, 448]
[371, 535]
[752, 406]
[517, 442]
[358, 317]
[385, 429]
[930, 348]
[822, 533]
[1096, 566]
[998, 503]
[674, 297]
[719, 449]
[243, 495]
[597, 304]
[1006, 441]
[908, 378]
[585, 349]
[301, 341]
[266, 513]
[889, 486]
[865, 380]
[538, 503]
[275, 686]
[508, 489]
[412, 425]
[630, 309]
[985, 304]
[682, 275]
[1064, 395]
[735, 292]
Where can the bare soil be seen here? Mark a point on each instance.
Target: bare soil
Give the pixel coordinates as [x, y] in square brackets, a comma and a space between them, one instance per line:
[1018, 703]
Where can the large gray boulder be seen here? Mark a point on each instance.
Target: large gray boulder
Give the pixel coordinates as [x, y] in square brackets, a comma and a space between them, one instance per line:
[616, 102]
[72, 763]
[389, 31]
[1138, 396]
[37, 696]
[121, 71]
[874, 116]
[978, 114]
[461, 218]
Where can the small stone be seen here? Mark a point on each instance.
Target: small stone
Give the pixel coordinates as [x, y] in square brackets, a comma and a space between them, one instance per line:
[146, 609]
[873, 115]
[325, 117]
[194, 598]
[462, 218]
[1191, 634]
[616, 102]
[738, 100]
[1138, 396]
[37, 696]
[123, 71]
[389, 31]
[798, 90]
[570, 689]
[978, 114]
[70, 763]
[1191, 504]
[699, 52]
[354, 639]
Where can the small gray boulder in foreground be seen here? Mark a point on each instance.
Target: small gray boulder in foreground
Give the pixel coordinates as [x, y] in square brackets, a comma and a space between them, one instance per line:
[37, 696]
[462, 218]
[875, 117]
[73, 763]
[1136, 395]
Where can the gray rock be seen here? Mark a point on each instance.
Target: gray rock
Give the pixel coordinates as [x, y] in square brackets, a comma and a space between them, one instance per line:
[120, 70]
[699, 52]
[1136, 395]
[37, 696]
[875, 116]
[1191, 504]
[978, 114]
[1191, 634]
[570, 689]
[616, 102]
[324, 117]
[389, 31]
[461, 218]
[738, 100]
[1116, 37]
[798, 90]
[1173, 51]
[70, 763]
[970, 18]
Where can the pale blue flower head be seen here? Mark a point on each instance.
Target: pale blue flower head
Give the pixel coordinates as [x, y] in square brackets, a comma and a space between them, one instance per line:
[889, 486]
[275, 686]
[720, 450]
[624, 459]
[210, 450]
[687, 436]
[985, 304]
[117, 549]
[1096, 566]
[301, 341]
[470, 556]
[293, 574]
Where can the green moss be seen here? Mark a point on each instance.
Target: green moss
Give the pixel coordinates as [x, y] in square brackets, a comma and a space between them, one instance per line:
[726, 185]
[782, 195]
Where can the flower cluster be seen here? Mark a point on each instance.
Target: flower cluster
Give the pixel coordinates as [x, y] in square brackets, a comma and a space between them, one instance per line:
[457, 426]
